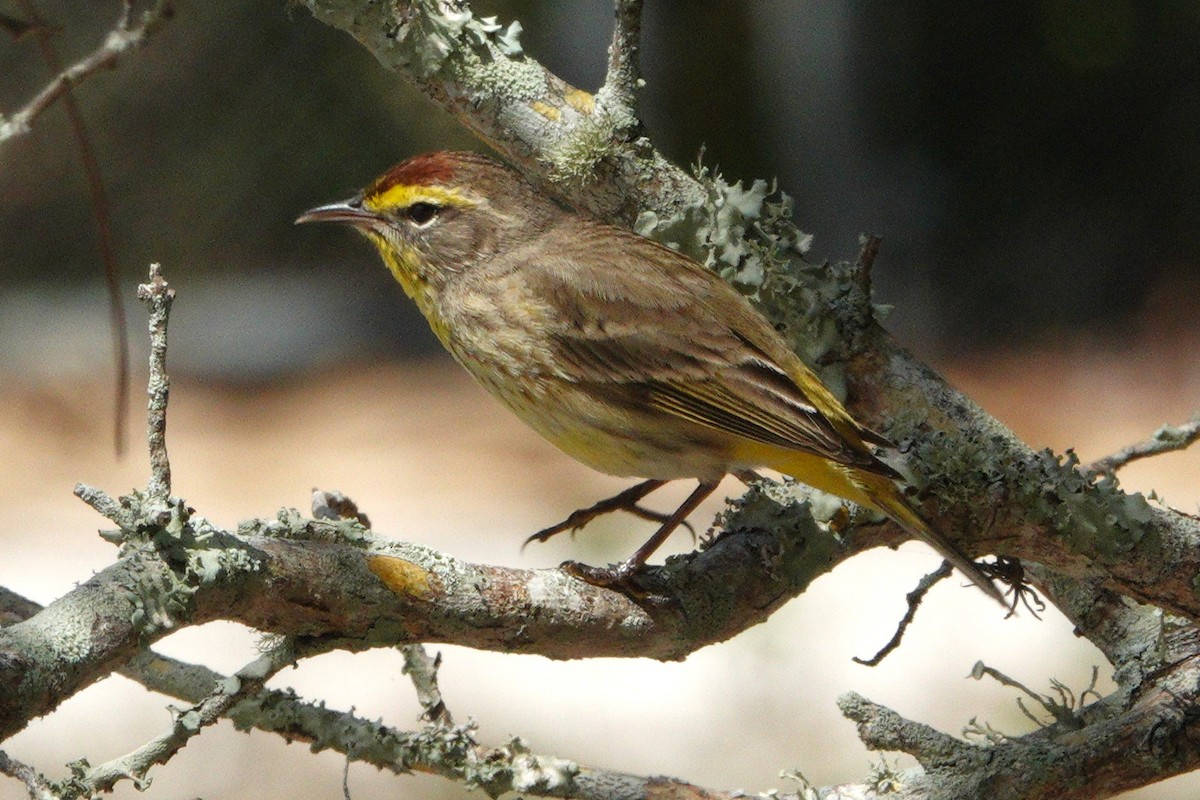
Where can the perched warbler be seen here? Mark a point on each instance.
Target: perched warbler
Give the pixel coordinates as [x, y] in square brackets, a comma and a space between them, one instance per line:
[628, 356]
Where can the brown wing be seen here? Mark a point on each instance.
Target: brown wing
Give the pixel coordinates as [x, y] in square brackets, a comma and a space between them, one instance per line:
[672, 335]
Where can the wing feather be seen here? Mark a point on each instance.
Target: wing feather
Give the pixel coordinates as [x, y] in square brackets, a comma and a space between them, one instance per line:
[678, 338]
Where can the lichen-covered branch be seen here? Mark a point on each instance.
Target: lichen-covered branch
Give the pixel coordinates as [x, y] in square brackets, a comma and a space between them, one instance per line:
[1111, 748]
[295, 576]
[1121, 569]
[476, 70]
[36, 784]
[1047, 764]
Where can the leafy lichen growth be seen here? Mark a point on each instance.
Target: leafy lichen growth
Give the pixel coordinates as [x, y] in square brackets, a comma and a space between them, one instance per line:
[738, 231]
[511, 78]
[291, 524]
[429, 35]
[196, 552]
[972, 470]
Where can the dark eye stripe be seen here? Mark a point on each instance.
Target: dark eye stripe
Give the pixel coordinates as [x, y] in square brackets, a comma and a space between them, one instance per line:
[421, 213]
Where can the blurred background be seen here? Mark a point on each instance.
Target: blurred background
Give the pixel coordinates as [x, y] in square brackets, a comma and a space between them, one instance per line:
[1032, 169]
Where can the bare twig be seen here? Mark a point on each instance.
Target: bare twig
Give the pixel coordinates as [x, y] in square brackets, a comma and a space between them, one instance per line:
[124, 36]
[1166, 439]
[158, 296]
[422, 669]
[623, 83]
[914, 599]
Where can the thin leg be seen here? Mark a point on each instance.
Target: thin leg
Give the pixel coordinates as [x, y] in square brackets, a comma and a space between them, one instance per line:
[654, 542]
[625, 501]
[618, 575]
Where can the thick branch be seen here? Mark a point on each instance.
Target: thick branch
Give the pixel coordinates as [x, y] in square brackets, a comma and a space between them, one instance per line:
[314, 578]
[1154, 738]
[440, 749]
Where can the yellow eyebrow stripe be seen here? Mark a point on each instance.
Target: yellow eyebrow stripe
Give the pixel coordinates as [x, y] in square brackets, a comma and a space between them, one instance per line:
[402, 196]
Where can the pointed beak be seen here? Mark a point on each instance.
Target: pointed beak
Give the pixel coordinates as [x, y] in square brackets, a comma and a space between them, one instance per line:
[350, 211]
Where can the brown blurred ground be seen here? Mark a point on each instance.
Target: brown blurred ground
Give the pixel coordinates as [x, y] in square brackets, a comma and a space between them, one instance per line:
[431, 459]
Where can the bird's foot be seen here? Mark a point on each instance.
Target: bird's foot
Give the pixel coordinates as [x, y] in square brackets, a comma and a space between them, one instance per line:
[625, 501]
[614, 576]
[635, 581]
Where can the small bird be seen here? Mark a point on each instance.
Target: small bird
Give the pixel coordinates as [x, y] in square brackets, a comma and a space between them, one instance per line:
[625, 354]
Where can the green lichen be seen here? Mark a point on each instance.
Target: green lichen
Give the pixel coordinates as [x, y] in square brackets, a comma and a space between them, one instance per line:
[740, 232]
[291, 524]
[195, 552]
[1093, 515]
[514, 79]
[574, 157]
[431, 35]
[974, 471]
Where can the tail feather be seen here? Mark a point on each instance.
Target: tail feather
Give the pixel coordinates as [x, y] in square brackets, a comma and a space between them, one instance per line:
[875, 490]
[886, 498]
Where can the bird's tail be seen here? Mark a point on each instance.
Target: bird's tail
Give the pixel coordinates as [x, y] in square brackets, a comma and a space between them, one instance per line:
[884, 496]
[868, 488]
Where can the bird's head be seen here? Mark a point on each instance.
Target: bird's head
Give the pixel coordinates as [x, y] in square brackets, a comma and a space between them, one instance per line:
[437, 214]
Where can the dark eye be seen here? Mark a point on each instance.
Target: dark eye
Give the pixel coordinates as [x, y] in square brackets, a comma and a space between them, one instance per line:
[421, 213]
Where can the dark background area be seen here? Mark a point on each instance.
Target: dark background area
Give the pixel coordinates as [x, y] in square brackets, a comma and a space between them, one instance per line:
[1031, 166]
